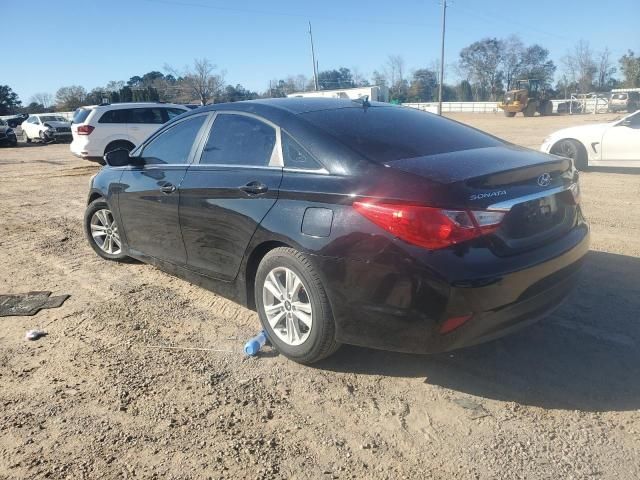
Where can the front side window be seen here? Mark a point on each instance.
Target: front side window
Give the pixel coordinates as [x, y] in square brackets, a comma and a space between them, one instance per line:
[147, 115]
[173, 146]
[295, 156]
[239, 140]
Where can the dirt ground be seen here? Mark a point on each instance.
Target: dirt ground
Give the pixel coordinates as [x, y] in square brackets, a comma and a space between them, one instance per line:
[99, 398]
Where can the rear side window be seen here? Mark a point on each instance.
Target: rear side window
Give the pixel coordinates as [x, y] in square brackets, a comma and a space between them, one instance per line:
[295, 156]
[239, 140]
[81, 115]
[384, 134]
[173, 146]
[115, 116]
[147, 115]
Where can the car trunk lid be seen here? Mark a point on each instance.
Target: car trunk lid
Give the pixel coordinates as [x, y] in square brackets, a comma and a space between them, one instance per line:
[537, 192]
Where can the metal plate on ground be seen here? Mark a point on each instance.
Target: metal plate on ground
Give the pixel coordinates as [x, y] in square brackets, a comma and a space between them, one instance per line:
[27, 304]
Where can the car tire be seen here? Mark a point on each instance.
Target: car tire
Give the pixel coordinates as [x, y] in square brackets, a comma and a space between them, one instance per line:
[99, 219]
[530, 109]
[574, 150]
[300, 323]
[509, 114]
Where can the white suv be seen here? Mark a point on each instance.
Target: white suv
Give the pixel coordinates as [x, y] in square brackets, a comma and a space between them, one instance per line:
[98, 129]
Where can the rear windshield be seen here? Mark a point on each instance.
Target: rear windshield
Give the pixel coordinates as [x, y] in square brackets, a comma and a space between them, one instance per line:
[81, 115]
[384, 134]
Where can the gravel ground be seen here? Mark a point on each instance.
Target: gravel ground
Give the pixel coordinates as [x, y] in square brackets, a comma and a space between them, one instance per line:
[100, 397]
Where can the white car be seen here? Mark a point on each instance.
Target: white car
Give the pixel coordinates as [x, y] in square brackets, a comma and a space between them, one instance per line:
[614, 144]
[46, 127]
[99, 129]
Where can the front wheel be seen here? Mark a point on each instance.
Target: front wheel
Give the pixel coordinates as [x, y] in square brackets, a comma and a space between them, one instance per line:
[102, 231]
[293, 306]
[574, 150]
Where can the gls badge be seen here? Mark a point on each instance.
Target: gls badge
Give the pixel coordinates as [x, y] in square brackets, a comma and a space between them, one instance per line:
[480, 196]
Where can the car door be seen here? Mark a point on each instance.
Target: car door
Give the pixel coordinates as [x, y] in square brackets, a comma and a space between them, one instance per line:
[30, 126]
[621, 142]
[149, 195]
[143, 122]
[228, 191]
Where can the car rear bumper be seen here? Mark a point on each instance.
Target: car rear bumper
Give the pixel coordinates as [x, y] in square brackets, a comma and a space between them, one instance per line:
[404, 309]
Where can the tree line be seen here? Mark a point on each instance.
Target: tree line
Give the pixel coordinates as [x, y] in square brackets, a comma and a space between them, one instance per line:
[485, 70]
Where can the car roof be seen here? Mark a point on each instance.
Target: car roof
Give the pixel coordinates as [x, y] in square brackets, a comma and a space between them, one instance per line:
[295, 105]
[132, 104]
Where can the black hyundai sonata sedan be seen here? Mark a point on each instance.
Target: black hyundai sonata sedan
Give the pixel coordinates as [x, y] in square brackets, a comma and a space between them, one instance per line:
[347, 222]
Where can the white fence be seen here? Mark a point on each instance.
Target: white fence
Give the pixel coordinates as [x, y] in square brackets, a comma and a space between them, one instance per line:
[574, 105]
[459, 107]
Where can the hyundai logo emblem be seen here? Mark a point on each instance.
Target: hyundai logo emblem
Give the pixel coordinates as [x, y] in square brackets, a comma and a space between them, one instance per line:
[544, 180]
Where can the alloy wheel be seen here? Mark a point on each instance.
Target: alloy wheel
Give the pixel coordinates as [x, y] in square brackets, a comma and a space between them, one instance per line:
[104, 231]
[287, 305]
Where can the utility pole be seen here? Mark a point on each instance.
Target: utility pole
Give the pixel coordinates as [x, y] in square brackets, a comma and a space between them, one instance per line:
[444, 21]
[313, 59]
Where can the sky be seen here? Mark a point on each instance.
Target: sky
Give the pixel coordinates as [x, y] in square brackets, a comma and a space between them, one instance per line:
[90, 43]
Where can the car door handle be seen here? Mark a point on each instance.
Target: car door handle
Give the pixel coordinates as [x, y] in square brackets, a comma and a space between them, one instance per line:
[254, 188]
[168, 188]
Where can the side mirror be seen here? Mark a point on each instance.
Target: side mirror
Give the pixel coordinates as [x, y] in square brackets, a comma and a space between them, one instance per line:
[118, 158]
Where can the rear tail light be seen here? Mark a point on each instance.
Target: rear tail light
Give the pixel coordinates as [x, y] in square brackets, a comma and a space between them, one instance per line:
[85, 129]
[430, 227]
[450, 324]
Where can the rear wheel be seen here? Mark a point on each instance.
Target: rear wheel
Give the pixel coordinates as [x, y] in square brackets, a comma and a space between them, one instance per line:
[530, 110]
[293, 306]
[509, 114]
[102, 231]
[574, 150]
[546, 108]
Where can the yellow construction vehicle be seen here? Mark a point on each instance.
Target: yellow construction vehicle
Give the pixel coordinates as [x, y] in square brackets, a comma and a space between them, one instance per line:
[528, 97]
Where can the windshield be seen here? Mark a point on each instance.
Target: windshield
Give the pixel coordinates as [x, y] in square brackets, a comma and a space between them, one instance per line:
[52, 118]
